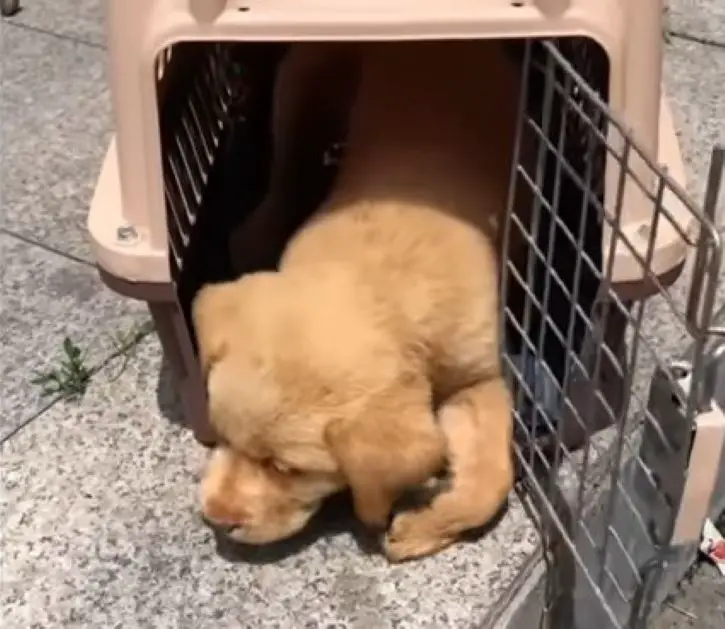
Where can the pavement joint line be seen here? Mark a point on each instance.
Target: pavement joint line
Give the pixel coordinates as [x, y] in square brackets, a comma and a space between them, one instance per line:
[29, 420]
[50, 249]
[696, 39]
[94, 371]
[44, 31]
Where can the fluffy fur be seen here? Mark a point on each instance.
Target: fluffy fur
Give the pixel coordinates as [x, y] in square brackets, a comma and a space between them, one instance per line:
[326, 373]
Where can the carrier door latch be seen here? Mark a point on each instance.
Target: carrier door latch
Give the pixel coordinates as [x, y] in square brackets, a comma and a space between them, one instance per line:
[681, 469]
[702, 474]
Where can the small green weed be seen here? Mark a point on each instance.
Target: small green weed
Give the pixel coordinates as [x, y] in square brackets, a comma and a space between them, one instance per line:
[69, 380]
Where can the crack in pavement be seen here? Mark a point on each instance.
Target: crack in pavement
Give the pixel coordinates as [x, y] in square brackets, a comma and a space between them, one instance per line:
[122, 352]
[697, 39]
[56, 35]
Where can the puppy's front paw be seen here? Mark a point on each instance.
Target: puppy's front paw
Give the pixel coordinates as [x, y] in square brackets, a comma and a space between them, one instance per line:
[413, 535]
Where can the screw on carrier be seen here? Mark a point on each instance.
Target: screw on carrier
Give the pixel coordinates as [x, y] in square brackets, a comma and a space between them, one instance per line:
[126, 233]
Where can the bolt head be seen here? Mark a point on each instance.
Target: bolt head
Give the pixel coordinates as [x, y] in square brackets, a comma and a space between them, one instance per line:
[126, 233]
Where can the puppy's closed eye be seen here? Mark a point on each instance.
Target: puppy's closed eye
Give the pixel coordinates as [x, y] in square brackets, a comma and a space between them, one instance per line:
[280, 467]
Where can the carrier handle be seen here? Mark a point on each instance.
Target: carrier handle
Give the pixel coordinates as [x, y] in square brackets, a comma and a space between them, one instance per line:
[206, 10]
[708, 258]
[552, 8]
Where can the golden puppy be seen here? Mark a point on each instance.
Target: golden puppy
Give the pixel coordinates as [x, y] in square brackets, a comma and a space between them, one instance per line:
[325, 374]
[314, 87]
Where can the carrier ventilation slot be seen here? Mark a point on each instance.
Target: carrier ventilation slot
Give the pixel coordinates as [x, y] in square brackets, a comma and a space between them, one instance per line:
[196, 116]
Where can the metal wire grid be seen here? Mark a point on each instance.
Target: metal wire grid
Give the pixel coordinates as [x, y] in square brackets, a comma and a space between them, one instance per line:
[560, 474]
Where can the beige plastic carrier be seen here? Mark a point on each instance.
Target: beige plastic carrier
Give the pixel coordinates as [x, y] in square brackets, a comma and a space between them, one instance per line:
[128, 217]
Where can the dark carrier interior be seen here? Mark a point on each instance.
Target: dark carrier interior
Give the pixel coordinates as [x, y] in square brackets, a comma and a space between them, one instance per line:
[215, 102]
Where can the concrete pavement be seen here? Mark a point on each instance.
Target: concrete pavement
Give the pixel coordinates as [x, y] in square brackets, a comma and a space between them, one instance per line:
[100, 527]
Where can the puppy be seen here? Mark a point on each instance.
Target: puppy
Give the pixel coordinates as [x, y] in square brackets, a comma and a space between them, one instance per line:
[325, 374]
[313, 91]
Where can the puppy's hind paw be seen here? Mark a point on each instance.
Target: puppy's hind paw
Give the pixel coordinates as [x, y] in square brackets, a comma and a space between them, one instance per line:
[411, 536]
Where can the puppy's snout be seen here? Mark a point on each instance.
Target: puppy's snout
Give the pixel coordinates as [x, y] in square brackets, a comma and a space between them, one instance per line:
[225, 528]
[223, 519]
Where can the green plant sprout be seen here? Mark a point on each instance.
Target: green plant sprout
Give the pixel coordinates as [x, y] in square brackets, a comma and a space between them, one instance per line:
[70, 379]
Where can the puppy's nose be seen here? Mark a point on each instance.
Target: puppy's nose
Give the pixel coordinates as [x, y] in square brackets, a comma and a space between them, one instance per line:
[220, 527]
[223, 516]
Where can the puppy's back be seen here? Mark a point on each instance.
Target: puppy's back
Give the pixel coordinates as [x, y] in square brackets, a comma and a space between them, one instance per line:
[442, 110]
[415, 209]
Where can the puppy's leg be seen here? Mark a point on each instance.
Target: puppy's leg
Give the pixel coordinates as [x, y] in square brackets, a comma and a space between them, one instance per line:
[478, 425]
[393, 446]
[312, 93]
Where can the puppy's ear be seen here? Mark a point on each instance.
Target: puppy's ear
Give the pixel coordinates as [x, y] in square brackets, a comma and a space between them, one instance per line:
[224, 312]
[214, 311]
[395, 444]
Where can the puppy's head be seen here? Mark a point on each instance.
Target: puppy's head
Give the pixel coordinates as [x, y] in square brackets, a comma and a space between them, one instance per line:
[257, 502]
[308, 399]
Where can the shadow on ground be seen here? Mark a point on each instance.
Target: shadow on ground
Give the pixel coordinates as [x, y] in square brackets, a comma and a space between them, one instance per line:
[335, 518]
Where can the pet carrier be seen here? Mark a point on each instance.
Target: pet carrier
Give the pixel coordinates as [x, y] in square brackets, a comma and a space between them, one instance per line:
[191, 83]
[9, 7]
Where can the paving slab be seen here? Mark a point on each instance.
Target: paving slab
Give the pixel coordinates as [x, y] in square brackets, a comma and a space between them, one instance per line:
[699, 18]
[699, 603]
[693, 76]
[102, 530]
[55, 120]
[45, 298]
[79, 19]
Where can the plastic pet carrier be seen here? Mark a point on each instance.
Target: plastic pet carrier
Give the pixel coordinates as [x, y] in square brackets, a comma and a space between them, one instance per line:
[192, 83]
